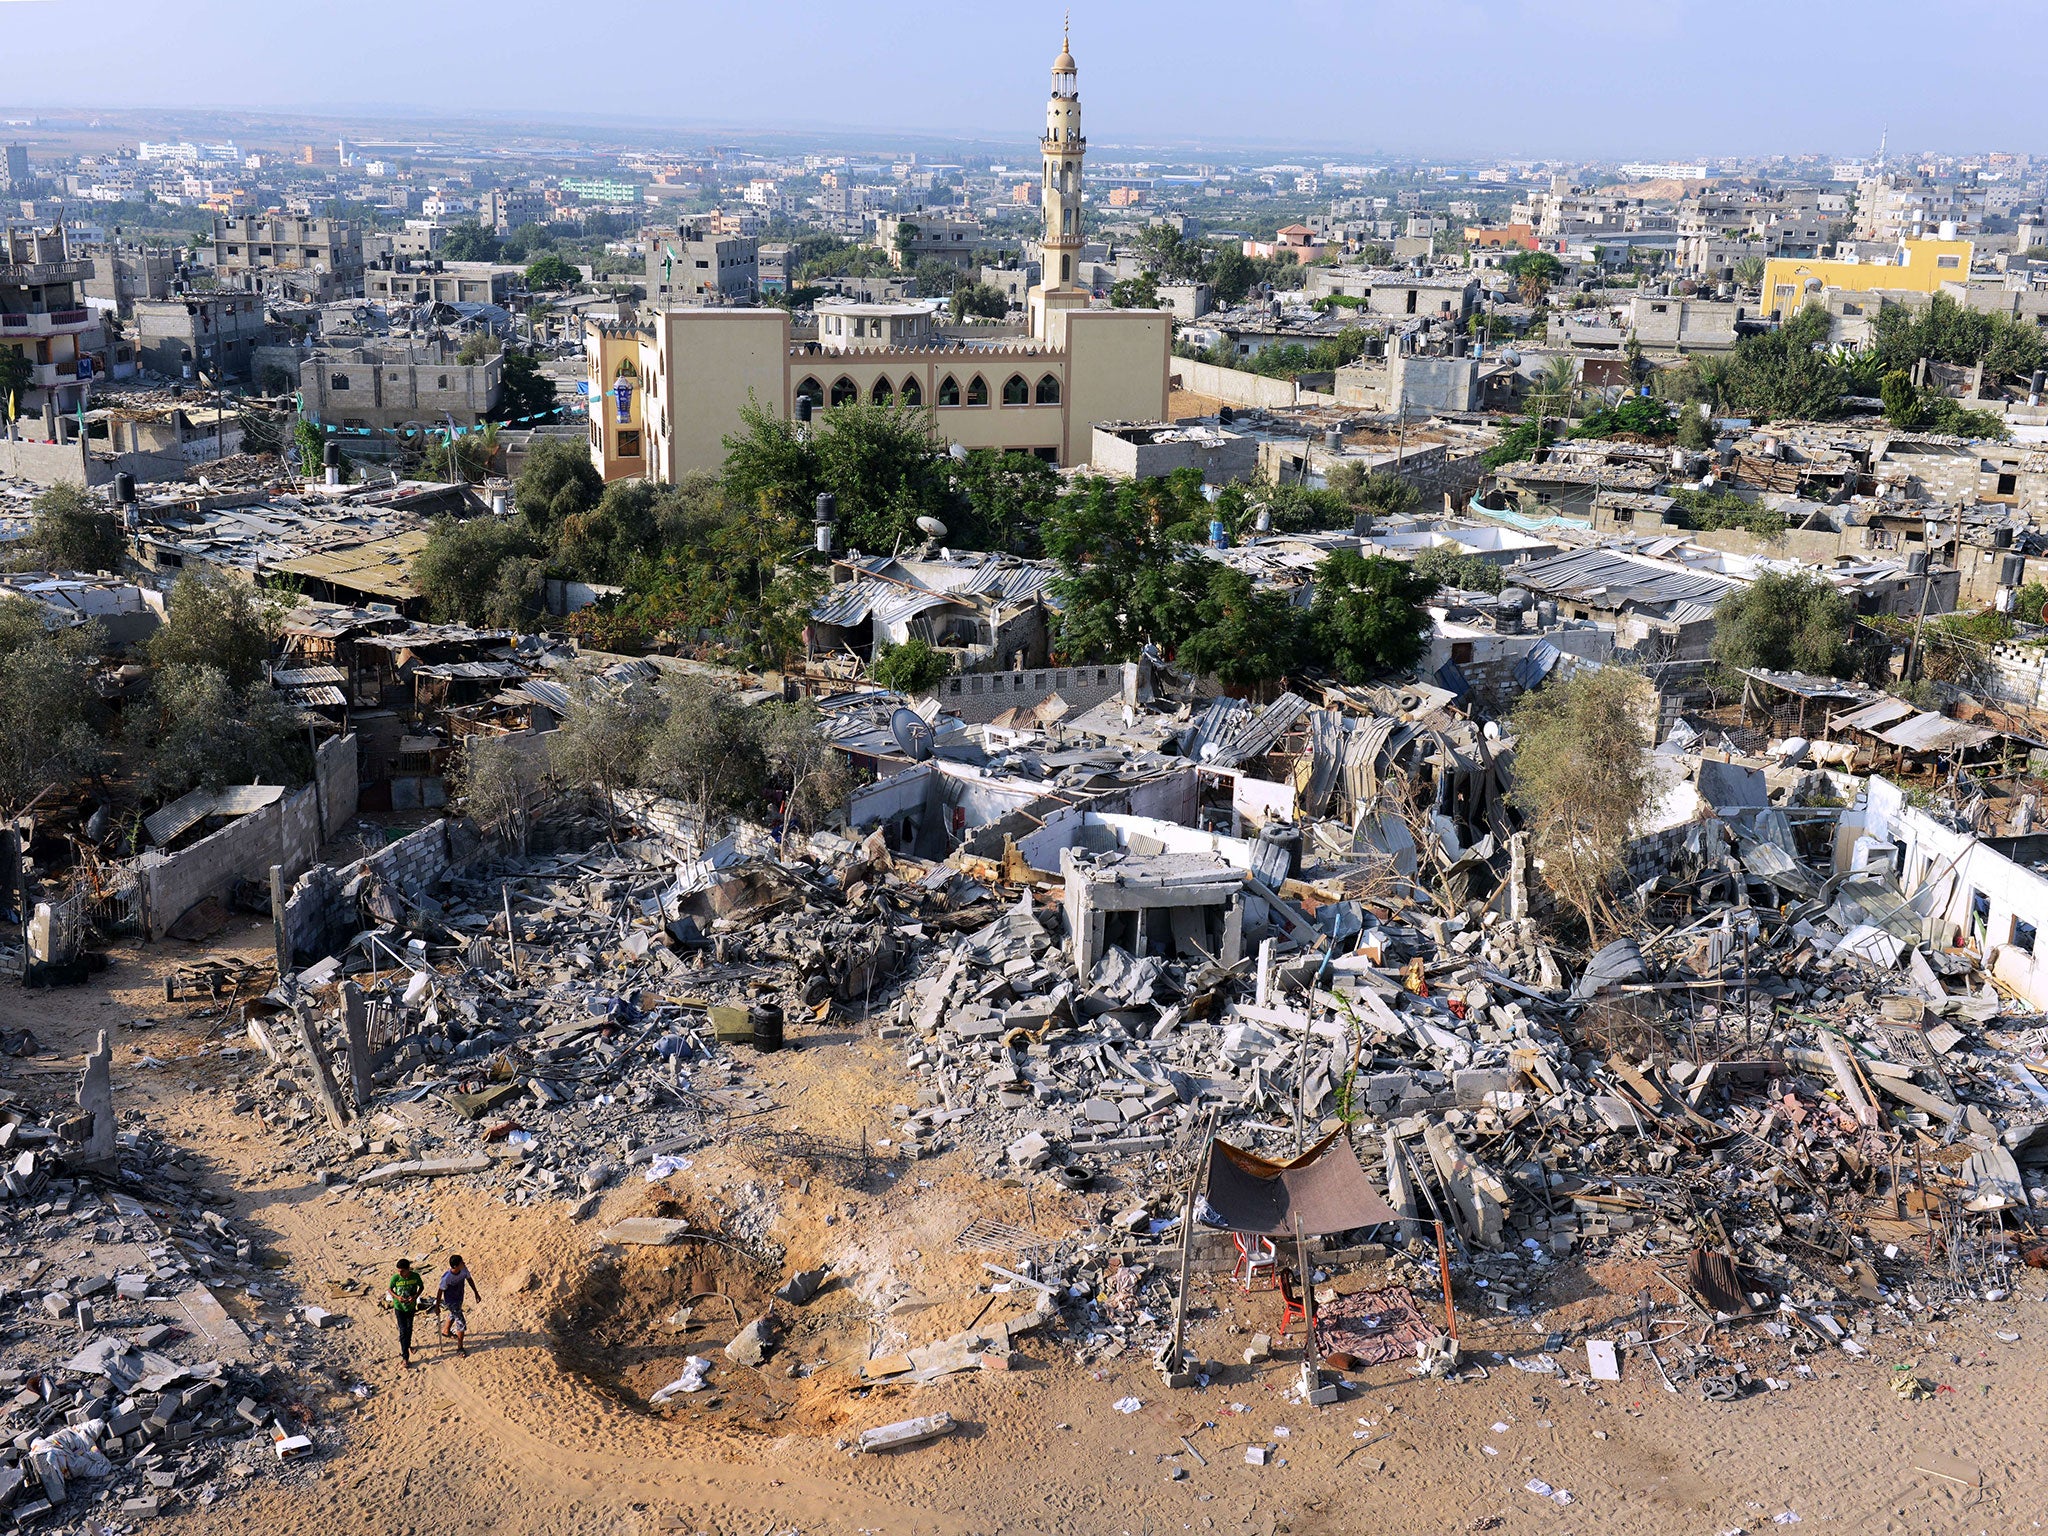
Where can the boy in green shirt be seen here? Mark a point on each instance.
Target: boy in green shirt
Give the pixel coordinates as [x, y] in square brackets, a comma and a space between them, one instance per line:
[403, 1297]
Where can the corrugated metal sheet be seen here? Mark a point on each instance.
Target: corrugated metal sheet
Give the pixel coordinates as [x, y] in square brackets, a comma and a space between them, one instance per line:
[474, 671]
[307, 677]
[1936, 733]
[851, 602]
[547, 692]
[1618, 578]
[1013, 582]
[1535, 665]
[1874, 716]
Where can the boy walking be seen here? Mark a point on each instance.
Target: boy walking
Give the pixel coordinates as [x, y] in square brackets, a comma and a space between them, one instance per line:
[456, 1282]
[402, 1295]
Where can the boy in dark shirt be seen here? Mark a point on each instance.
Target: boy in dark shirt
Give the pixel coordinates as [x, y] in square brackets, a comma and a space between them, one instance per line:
[402, 1295]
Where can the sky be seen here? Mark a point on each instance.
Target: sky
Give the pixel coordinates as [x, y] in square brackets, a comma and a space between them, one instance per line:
[1624, 79]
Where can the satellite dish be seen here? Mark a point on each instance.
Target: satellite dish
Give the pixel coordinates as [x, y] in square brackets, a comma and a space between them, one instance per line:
[912, 734]
[932, 526]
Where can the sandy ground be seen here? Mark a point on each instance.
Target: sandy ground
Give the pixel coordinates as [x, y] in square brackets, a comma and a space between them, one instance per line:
[540, 1427]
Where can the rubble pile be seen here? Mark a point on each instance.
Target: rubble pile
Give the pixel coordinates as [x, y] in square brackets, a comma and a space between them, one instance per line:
[126, 1385]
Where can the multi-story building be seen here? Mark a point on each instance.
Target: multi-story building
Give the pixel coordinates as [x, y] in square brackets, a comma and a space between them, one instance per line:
[1894, 207]
[693, 263]
[505, 209]
[14, 175]
[121, 274]
[671, 388]
[317, 259]
[212, 331]
[44, 316]
[398, 281]
[909, 238]
[397, 385]
[1919, 266]
[603, 190]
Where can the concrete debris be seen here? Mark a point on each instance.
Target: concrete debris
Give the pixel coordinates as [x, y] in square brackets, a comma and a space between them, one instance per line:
[125, 1383]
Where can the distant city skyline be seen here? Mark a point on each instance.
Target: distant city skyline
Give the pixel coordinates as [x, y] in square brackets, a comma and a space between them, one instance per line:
[1567, 79]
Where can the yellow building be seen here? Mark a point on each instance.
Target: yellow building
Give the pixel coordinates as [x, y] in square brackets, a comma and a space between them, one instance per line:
[1920, 266]
[696, 369]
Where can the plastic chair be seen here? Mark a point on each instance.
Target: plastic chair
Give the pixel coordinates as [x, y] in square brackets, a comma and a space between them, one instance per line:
[1292, 1308]
[1260, 1259]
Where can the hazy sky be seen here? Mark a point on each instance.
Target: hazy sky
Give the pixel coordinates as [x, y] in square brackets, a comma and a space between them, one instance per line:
[1627, 78]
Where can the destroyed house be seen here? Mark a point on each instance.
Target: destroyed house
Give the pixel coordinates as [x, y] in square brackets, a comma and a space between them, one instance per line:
[987, 609]
[1644, 599]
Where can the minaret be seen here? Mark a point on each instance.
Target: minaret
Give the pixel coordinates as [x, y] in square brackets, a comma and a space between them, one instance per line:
[1060, 197]
[1063, 148]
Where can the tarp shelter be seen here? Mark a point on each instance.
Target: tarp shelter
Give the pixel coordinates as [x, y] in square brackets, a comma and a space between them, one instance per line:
[1322, 1191]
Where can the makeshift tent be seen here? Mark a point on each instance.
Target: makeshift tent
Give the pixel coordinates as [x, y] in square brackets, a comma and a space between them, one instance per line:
[1322, 1191]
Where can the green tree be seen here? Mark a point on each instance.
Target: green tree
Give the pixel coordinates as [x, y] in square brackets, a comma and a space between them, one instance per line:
[2030, 603]
[1787, 623]
[1244, 636]
[17, 373]
[1783, 374]
[486, 571]
[1449, 566]
[1901, 400]
[549, 273]
[49, 711]
[556, 483]
[469, 241]
[632, 521]
[983, 301]
[214, 620]
[500, 786]
[1128, 577]
[1001, 499]
[1231, 276]
[1367, 616]
[477, 347]
[705, 748]
[601, 744]
[906, 237]
[198, 729]
[913, 667]
[74, 531]
[1749, 272]
[1376, 492]
[1140, 292]
[1534, 274]
[1583, 782]
[1693, 431]
[882, 462]
[524, 392]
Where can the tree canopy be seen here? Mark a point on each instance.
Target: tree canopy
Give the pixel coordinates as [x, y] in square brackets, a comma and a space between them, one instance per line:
[1367, 616]
[72, 530]
[1582, 781]
[1787, 623]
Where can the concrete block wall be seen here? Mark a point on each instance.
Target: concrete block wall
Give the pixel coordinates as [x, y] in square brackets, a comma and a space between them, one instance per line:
[979, 697]
[1234, 386]
[337, 767]
[323, 910]
[244, 849]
